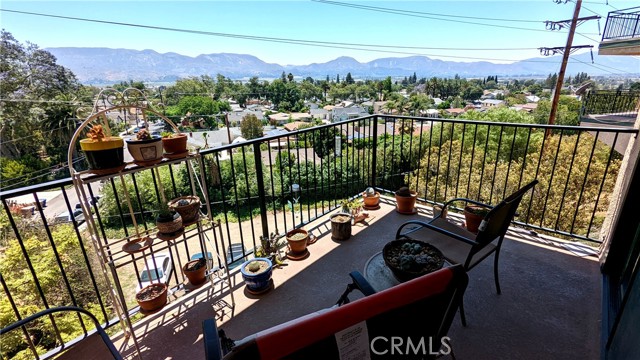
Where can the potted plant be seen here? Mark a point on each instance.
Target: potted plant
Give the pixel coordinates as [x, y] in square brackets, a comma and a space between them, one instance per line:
[152, 297]
[406, 201]
[371, 199]
[473, 216]
[297, 239]
[168, 221]
[103, 152]
[257, 274]
[145, 148]
[195, 271]
[355, 207]
[408, 259]
[174, 144]
[270, 249]
[340, 226]
[187, 206]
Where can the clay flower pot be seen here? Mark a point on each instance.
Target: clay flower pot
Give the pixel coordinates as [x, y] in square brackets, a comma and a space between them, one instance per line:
[187, 206]
[152, 297]
[371, 201]
[473, 216]
[175, 144]
[195, 271]
[406, 201]
[297, 240]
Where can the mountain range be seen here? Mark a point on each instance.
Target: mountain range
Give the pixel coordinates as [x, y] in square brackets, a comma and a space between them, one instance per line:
[105, 65]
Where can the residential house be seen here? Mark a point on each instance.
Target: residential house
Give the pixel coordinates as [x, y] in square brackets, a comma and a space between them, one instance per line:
[491, 103]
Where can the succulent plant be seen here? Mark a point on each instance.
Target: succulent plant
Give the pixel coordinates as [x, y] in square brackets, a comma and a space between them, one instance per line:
[143, 135]
[96, 133]
[370, 191]
[183, 202]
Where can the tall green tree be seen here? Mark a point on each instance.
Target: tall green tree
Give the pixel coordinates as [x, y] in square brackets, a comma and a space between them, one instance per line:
[251, 127]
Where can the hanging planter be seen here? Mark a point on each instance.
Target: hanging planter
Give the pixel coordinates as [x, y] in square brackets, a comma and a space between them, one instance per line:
[105, 154]
[188, 207]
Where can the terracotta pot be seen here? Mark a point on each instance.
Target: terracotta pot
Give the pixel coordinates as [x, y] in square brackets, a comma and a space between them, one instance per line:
[472, 220]
[156, 302]
[196, 277]
[105, 154]
[406, 204]
[371, 201]
[340, 230]
[299, 243]
[175, 144]
[145, 150]
[189, 211]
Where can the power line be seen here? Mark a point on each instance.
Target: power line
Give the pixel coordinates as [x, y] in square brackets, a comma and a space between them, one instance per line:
[327, 44]
[434, 14]
[261, 38]
[415, 14]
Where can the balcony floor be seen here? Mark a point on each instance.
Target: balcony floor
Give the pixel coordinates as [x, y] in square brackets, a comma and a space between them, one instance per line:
[549, 307]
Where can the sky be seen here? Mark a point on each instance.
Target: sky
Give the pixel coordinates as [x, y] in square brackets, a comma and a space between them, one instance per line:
[365, 30]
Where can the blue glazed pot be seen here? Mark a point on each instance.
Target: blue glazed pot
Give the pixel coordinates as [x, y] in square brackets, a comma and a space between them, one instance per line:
[257, 282]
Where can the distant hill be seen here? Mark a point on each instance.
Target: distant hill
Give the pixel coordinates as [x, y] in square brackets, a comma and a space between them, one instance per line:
[100, 65]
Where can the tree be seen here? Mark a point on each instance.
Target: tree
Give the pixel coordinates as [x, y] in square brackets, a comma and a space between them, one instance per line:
[349, 79]
[324, 141]
[251, 127]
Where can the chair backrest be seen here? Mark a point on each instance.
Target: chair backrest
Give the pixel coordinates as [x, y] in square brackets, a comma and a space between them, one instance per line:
[419, 312]
[497, 221]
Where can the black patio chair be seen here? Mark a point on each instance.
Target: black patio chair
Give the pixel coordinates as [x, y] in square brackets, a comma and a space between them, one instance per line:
[419, 312]
[460, 246]
[103, 335]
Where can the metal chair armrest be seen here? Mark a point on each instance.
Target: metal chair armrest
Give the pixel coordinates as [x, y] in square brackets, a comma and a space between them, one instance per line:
[434, 228]
[361, 283]
[212, 349]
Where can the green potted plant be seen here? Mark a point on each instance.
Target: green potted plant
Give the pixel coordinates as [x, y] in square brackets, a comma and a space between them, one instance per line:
[188, 207]
[270, 249]
[195, 271]
[297, 240]
[145, 148]
[371, 199]
[473, 216]
[174, 144]
[257, 275]
[406, 201]
[168, 221]
[104, 153]
[409, 259]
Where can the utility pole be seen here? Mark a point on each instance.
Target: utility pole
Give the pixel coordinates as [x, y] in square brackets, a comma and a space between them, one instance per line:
[563, 67]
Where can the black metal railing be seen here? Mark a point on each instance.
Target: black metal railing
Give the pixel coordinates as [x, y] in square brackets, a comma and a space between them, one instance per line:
[622, 24]
[282, 182]
[623, 103]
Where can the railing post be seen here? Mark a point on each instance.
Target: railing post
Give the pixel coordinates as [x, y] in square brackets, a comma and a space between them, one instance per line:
[374, 152]
[261, 192]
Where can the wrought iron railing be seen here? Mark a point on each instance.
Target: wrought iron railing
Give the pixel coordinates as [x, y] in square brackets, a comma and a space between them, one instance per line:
[281, 182]
[623, 103]
[622, 24]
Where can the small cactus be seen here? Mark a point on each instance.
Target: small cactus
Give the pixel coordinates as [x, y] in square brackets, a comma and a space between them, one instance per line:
[370, 192]
[253, 266]
[404, 191]
[183, 202]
